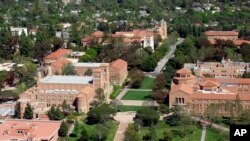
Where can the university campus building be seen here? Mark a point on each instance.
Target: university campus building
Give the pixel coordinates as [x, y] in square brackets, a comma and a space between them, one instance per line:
[78, 90]
[223, 69]
[197, 93]
[144, 37]
[29, 130]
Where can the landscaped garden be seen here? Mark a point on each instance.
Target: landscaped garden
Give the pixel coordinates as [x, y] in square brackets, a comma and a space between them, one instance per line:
[137, 95]
[125, 108]
[90, 129]
[147, 83]
[216, 135]
[116, 90]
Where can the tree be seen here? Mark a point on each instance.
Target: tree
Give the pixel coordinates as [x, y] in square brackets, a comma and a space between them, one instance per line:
[63, 131]
[28, 112]
[100, 95]
[151, 136]
[17, 110]
[66, 108]
[245, 51]
[131, 134]
[84, 135]
[69, 70]
[159, 96]
[3, 78]
[167, 136]
[92, 52]
[58, 114]
[51, 112]
[100, 114]
[57, 43]
[136, 77]
[100, 133]
[149, 64]
[179, 116]
[26, 46]
[160, 82]
[246, 75]
[148, 116]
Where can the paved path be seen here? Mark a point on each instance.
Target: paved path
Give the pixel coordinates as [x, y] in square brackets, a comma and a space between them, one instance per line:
[138, 102]
[119, 136]
[203, 135]
[122, 93]
[169, 55]
[217, 126]
[124, 118]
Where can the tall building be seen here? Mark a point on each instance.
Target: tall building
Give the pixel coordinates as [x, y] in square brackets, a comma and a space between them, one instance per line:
[196, 94]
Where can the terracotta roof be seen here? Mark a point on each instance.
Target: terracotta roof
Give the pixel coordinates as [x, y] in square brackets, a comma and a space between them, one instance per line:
[35, 128]
[229, 80]
[98, 34]
[58, 53]
[240, 42]
[221, 33]
[119, 64]
[220, 96]
[60, 63]
[183, 71]
[181, 87]
[209, 83]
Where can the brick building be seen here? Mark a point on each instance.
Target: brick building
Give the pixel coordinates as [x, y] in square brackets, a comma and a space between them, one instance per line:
[29, 130]
[223, 69]
[222, 35]
[144, 37]
[197, 94]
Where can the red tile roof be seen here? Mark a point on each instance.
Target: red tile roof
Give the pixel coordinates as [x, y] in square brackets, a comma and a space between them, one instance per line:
[181, 87]
[229, 80]
[35, 128]
[119, 64]
[221, 33]
[209, 83]
[58, 54]
[220, 96]
[240, 42]
[98, 34]
[60, 63]
[184, 71]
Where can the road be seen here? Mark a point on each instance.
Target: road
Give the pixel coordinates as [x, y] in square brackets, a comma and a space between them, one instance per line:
[165, 59]
[203, 135]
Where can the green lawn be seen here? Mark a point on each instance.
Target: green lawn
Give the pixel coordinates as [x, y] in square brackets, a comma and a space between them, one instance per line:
[124, 108]
[216, 135]
[147, 83]
[137, 95]
[162, 127]
[116, 91]
[90, 130]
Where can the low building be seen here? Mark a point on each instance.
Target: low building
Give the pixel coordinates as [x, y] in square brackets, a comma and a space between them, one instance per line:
[56, 55]
[29, 130]
[223, 69]
[17, 31]
[222, 35]
[143, 36]
[197, 94]
[9, 66]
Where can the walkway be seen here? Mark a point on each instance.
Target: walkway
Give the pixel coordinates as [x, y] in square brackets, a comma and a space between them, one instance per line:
[169, 55]
[217, 126]
[203, 135]
[119, 136]
[138, 102]
[124, 118]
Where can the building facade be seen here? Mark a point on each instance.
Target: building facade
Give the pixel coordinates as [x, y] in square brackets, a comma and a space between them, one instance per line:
[198, 94]
[223, 69]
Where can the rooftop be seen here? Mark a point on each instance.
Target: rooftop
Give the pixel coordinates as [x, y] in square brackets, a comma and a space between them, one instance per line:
[91, 65]
[24, 129]
[59, 53]
[221, 33]
[119, 63]
[64, 79]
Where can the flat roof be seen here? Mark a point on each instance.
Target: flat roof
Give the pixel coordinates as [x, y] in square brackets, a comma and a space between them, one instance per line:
[89, 64]
[67, 79]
